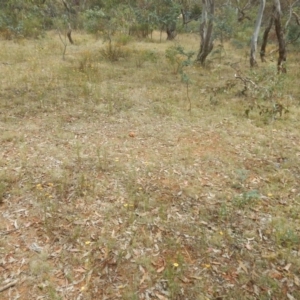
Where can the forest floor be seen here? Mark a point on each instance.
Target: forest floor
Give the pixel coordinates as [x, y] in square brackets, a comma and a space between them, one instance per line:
[110, 188]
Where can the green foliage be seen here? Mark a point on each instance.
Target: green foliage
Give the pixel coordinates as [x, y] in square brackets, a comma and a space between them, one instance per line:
[247, 198]
[107, 22]
[225, 24]
[178, 58]
[196, 11]
[141, 30]
[113, 52]
[32, 27]
[94, 20]
[168, 13]
[154, 15]
[293, 34]
[26, 18]
[285, 234]
[123, 39]
[143, 56]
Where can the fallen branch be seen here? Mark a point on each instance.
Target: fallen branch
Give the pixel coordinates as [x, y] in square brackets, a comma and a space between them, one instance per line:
[7, 286]
[245, 81]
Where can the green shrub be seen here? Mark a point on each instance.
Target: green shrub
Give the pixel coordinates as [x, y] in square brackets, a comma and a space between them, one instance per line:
[123, 39]
[178, 58]
[143, 56]
[141, 30]
[293, 34]
[94, 20]
[32, 27]
[113, 52]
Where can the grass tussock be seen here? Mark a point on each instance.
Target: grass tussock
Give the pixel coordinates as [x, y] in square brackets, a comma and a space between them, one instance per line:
[111, 188]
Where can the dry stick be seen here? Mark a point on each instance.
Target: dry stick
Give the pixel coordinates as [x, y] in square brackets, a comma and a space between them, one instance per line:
[297, 18]
[64, 43]
[187, 94]
[9, 231]
[7, 286]
[245, 80]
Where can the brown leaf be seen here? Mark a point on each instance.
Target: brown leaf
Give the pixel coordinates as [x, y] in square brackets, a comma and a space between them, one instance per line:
[161, 297]
[256, 290]
[143, 278]
[297, 280]
[275, 274]
[159, 270]
[248, 246]
[290, 297]
[184, 279]
[80, 270]
[243, 267]
[287, 267]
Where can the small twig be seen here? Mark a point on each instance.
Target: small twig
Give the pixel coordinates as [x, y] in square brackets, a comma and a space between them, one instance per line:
[64, 43]
[245, 80]
[297, 18]
[188, 97]
[9, 231]
[7, 286]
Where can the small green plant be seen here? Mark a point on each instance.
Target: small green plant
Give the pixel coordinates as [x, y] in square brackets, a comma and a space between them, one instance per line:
[179, 58]
[224, 211]
[113, 52]
[144, 56]
[141, 30]
[285, 235]
[123, 39]
[85, 62]
[102, 162]
[246, 198]
[172, 273]
[218, 53]
[186, 80]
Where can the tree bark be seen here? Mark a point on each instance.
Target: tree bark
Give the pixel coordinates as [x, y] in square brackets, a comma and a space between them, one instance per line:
[265, 39]
[254, 38]
[69, 34]
[171, 31]
[280, 37]
[206, 30]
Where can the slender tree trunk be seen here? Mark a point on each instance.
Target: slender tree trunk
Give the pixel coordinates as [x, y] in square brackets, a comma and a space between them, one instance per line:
[171, 31]
[280, 37]
[265, 39]
[69, 34]
[206, 30]
[254, 38]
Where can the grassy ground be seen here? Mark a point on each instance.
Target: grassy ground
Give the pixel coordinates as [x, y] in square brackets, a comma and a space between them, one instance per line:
[111, 189]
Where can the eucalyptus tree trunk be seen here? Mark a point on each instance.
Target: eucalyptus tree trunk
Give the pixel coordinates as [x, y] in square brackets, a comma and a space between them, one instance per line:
[171, 31]
[206, 30]
[265, 38]
[280, 37]
[256, 33]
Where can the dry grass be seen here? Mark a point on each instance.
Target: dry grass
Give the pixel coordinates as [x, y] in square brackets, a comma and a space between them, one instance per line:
[110, 189]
